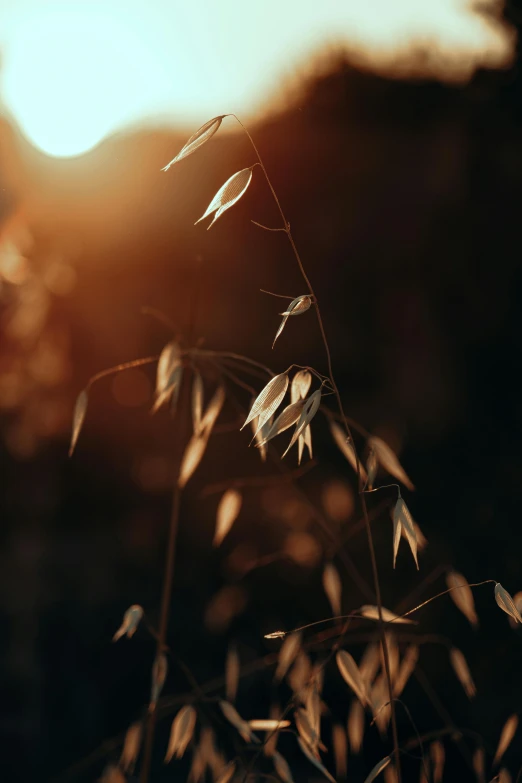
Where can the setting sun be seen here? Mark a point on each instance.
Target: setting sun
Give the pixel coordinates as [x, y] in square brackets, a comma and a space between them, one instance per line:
[73, 78]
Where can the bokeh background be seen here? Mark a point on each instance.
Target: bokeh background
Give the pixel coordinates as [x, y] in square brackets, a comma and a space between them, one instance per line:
[391, 132]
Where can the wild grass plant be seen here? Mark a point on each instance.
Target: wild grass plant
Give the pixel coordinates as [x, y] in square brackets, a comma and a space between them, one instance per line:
[197, 383]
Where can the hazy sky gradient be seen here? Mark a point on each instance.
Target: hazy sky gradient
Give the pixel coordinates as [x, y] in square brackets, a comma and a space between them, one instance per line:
[73, 72]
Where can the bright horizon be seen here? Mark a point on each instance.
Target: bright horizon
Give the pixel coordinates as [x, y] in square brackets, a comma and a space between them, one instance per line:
[70, 77]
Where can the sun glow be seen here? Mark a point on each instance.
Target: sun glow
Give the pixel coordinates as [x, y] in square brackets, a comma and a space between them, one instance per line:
[72, 78]
[73, 73]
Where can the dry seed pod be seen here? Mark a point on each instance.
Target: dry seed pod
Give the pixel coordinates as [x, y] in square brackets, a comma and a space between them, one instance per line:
[197, 402]
[198, 766]
[379, 698]
[286, 419]
[462, 596]
[228, 194]
[356, 726]
[170, 359]
[191, 458]
[393, 655]
[265, 724]
[171, 391]
[422, 541]
[241, 726]
[212, 412]
[299, 305]
[282, 768]
[287, 654]
[232, 668]
[227, 513]
[340, 747]
[346, 448]
[306, 731]
[370, 662]
[402, 519]
[130, 622]
[300, 387]
[506, 603]
[313, 707]
[259, 435]
[317, 676]
[406, 668]
[517, 600]
[506, 736]
[181, 732]
[80, 409]
[388, 460]
[200, 137]
[268, 400]
[332, 587]
[304, 439]
[462, 671]
[310, 408]
[208, 751]
[300, 673]
[131, 747]
[352, 676]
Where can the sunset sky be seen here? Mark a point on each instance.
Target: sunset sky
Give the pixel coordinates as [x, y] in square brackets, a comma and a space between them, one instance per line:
[74, 73]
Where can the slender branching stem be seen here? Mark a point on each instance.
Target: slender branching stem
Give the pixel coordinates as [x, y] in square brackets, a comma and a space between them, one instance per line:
[267, 228]
[120, 367]
[279, 296]
[260, 481]
[335, 388]
[229, 355]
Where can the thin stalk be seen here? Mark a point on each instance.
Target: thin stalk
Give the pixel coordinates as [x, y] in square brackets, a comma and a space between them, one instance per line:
[170, 558]
[335, 388]
[183, 417]
[164, 620]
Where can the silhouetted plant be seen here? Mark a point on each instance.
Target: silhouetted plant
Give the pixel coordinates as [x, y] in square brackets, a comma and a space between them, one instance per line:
[391, 656]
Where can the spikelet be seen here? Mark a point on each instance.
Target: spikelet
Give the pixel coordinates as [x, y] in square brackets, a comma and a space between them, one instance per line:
[462, 596]
[80, 409]
[287, 655]
[388, 460]
[332, 587]
[506, 736]
[130, 622]
[352, 676]
[181, 732]
[228, 194]
[200, 137]
[228, 510]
